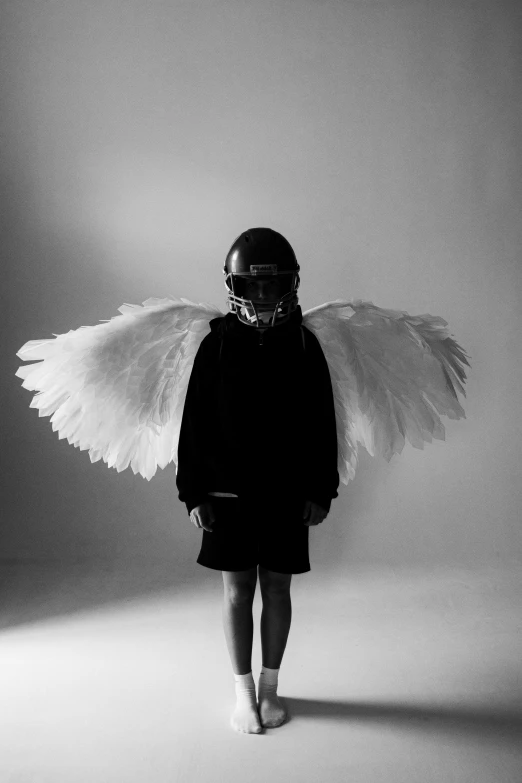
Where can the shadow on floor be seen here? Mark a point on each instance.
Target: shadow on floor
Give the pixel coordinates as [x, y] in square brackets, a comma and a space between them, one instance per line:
[492, 723]
[31, 591]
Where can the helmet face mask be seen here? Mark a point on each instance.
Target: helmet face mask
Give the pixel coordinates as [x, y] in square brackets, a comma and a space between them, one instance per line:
[261, 305]
[261, 278]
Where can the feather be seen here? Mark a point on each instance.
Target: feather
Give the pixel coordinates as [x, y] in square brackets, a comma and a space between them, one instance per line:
[118, 388]
[392, 376]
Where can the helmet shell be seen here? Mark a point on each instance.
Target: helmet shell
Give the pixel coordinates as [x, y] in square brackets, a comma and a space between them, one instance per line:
[261, 252]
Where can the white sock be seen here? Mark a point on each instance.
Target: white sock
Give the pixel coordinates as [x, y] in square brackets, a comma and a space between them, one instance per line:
[271, 709]
[245, 716]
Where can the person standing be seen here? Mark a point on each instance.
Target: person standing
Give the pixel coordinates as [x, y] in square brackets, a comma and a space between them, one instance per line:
[257, 457]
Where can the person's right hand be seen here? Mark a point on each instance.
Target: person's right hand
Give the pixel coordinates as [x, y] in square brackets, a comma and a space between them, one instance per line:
[203, 516]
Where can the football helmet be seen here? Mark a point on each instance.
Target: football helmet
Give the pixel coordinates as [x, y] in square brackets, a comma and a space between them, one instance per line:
[261, 277]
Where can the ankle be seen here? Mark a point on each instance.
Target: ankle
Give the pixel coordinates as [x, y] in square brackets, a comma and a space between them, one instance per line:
[244, 682]
[268, 677]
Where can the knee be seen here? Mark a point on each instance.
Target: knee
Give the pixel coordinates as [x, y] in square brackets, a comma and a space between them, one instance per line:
[239, 594]
[277, 593]
[275, 588]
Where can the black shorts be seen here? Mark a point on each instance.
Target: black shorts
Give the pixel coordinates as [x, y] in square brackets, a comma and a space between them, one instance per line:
[247, 533]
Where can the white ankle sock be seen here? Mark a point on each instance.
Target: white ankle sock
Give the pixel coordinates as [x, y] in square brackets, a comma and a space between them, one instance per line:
[244, 682]
[271, 710]
[268, 677]
[245, 716]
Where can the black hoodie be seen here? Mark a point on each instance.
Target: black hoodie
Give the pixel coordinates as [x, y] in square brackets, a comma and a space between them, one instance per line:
[259, 415]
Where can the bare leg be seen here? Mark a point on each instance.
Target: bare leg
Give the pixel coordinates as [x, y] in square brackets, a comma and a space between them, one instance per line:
[275, 627]
[276, 615]
[239, 591]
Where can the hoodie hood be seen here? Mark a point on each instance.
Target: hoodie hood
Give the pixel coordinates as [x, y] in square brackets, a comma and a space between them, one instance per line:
[230, 325]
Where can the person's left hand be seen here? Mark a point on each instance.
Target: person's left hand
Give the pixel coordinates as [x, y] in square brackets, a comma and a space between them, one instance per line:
[313, 514]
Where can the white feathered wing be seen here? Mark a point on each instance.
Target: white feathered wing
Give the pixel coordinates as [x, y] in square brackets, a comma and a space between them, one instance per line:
[118, 388]
[392, 374]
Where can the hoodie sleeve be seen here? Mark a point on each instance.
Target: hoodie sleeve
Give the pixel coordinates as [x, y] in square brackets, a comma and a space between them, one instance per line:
[196, 432]
[322, 476]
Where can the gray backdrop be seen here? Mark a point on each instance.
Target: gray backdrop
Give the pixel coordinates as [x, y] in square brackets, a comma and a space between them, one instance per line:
[381, 138]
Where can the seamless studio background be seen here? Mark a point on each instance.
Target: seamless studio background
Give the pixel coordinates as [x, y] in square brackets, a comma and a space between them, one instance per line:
[381, 138]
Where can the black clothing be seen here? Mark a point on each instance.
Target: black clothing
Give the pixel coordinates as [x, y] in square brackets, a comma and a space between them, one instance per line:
[247, 533]
[259, 416]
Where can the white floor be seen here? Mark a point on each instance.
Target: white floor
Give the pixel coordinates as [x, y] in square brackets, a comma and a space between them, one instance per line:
[387, 677]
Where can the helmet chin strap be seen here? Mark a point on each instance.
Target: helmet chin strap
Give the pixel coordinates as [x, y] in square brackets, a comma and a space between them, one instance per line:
[264, 316]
